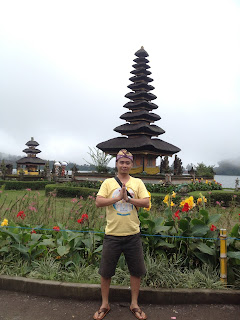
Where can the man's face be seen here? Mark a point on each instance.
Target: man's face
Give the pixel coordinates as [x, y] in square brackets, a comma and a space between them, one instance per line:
[124, 165]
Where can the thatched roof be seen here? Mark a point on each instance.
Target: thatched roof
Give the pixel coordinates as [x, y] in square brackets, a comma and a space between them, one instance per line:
[31, 160]
[139, 128]
[32, 143]
[34, 151]
[140, 115]
[141, 144]
[140, 95]
[146, 105]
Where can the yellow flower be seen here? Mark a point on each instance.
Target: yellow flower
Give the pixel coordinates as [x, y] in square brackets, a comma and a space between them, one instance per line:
[182, 203]
[199, 201]
[150, 196]
[172, 204]
[4, 223]
[207, 181]
[189, 201]
[150, 206]
[173, 194]
[166, 199]
[204, 199]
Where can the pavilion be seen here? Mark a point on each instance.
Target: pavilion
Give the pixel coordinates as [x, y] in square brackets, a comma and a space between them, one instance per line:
[141, 133]
[30, 164]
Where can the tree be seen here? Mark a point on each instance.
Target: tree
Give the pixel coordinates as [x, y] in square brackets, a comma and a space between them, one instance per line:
[99, 159]
[203, 170]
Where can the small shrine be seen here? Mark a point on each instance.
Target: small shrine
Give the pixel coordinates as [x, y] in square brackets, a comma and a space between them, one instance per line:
[31, 164]
[140, 129]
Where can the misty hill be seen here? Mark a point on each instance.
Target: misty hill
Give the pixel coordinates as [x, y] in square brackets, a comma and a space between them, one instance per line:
[228, 167]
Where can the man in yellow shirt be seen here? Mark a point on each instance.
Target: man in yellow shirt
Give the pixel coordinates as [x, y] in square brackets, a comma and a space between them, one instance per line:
[122, 196]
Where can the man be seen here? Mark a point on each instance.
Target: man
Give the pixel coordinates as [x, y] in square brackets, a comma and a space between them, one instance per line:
[122, 233]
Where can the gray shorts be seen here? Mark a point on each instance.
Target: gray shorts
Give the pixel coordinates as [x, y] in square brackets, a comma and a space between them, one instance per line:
[130, 246]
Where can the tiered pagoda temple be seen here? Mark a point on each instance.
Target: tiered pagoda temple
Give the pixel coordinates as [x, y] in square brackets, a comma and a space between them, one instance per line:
[31, 164]
[139, 129]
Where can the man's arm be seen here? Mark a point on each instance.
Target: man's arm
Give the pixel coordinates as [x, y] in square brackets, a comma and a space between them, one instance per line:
[140, 203]
[104, 202]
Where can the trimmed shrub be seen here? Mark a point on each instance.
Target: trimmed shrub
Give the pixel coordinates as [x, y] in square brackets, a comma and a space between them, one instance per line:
[69, 192]
[225, 198]
[20, 185]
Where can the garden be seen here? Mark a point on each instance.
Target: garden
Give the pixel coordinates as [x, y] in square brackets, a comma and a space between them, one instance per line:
[54, 231]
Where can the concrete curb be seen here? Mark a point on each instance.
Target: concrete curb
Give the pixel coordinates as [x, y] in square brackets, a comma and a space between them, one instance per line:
[56, 289]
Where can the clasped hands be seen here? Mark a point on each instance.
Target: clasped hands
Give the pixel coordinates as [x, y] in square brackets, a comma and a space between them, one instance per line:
[123, 193]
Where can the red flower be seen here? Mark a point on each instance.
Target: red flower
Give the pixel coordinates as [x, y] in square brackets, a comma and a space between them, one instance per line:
[56, 228]
[21, 214]
[186, 207]
[80, 220]
[176, 215]
[33, 231]
[84, 217]
[213, 227]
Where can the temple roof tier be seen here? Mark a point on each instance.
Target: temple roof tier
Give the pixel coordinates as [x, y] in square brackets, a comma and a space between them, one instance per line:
[140, 115]
[140, 105]
[141, 86]
[29, 150]
[141, 71]
[141, 53]
[32, 143]
[140, 95]
[139, 145]
[141, 78]
[28, 160]
[141, 60]
[139, 128]
[141, 65]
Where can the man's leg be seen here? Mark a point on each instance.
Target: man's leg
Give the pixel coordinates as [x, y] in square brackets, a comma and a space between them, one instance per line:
[105, 286]
[135, 287]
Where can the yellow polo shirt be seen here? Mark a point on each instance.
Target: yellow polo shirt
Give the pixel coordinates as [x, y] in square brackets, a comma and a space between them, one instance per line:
[122, 217]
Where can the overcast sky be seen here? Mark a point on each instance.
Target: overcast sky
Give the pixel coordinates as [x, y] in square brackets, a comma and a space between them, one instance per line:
[65, 67]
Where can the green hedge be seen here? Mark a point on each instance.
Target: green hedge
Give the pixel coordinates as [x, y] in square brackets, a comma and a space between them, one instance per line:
[20, 185]
[213, 197]
[69, 192]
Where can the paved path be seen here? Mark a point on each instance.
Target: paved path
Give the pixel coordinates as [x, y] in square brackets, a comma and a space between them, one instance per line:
[21, 306]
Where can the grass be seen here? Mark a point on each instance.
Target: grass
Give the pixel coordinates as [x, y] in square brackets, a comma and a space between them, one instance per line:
[52, 210]
[161, 273]
[49, 211]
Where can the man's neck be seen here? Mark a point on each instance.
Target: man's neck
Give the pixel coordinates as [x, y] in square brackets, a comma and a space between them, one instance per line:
[124, 177]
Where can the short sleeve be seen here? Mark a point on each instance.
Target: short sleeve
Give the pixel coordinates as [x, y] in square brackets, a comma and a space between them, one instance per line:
[103, 191]
[142, 191]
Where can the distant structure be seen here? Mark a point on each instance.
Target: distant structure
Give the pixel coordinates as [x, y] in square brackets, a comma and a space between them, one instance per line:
[30, 164]
[139, 128]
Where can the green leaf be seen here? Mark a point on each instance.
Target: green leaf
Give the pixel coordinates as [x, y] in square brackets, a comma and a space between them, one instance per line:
[62, 250]
[36, 236]
[5, 249]
[205, 249]
[204, 213]
[159, 228]
[48, 242]
[14, 236]
[214, 218]
[234, 231]
[234, 254]
[183, 224]
[21, 248]
[197, 222]
[163, 243]
[99, 249]
[199, 230]
[88, 243]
